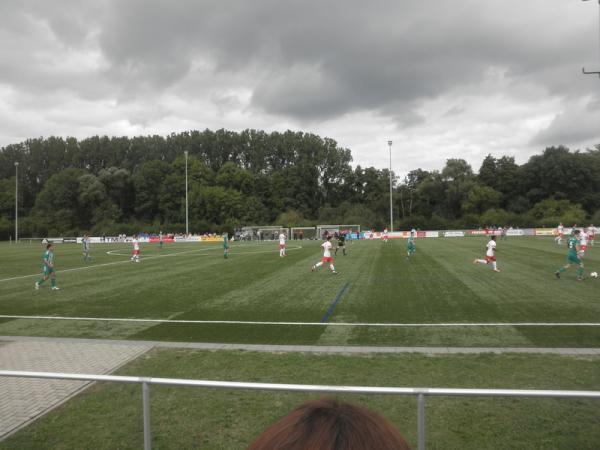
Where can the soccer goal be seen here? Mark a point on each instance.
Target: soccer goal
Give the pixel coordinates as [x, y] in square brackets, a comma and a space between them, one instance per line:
[301, 233]
[264, 233]
[351, 231]
[324, 230]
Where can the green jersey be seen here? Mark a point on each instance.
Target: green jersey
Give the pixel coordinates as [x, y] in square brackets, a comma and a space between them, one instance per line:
[572, 244]
[48, 258]
[572, 256]
[410, 243]
[225, 242]
[341, 240]
[48, 262]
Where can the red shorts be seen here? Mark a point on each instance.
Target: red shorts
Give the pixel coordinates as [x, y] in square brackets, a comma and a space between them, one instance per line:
[489, 259]
[327, 259]
[583, 247]
[281, 246]
[136, 252]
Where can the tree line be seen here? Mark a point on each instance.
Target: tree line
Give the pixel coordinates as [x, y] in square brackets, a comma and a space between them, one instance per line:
[112, 185]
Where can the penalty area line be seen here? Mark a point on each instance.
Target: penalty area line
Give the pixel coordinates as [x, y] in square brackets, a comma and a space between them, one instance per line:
[321, 324]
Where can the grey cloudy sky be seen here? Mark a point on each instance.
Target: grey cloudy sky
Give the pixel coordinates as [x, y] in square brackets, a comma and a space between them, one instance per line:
[440, 78]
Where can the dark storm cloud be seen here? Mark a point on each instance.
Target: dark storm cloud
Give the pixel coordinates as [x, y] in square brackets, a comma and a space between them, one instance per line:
[578, 125]
[319, 59]
[305, 61]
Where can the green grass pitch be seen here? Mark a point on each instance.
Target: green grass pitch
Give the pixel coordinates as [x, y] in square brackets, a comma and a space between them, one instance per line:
[376, 285]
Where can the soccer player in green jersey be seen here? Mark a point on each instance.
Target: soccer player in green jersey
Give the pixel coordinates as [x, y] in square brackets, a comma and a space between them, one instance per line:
[48, 268]
[225, 245]
[160, 240]
[86, 248]
[410, 247]
[572, 256]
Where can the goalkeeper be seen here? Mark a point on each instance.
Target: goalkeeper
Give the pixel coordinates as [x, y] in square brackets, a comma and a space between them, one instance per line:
[341, 243]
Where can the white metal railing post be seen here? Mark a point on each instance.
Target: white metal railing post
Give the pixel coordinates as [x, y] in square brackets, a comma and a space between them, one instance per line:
[419, 392]
[421, 421]
[146, 407]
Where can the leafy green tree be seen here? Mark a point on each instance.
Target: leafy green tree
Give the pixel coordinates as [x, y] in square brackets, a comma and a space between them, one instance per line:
[57, 209]
[119, 188]
[480, 198]
[550, 212]
[147, 181]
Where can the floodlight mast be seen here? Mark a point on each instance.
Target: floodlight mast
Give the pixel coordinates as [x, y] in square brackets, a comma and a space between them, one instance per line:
[594, 72]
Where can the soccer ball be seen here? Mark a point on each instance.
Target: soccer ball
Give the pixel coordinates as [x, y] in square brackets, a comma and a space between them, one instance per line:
[594, 274]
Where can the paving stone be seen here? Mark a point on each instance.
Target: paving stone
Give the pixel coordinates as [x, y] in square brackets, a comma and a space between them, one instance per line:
[23, 400]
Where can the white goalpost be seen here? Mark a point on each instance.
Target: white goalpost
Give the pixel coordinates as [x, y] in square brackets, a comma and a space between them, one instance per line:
[323, 230]
[264, 232]
[301, 233]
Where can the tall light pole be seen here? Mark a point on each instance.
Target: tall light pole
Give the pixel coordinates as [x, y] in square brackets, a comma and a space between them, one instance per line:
[187, 222]
[586, 72]
[16, 202]
[391, 203]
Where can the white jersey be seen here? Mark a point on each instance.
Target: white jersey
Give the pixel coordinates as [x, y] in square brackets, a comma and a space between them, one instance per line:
[491, 246]
[136, 244]
[591, 231]
[326, 249]
[560, 229]
[583, 238]
[282, 239]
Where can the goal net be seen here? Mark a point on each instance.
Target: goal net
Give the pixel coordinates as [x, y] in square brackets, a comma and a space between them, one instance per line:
[301, 233]
[351, 231]
[263, 233]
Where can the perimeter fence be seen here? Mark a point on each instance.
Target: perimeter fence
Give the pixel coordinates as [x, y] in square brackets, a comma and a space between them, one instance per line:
[420, 393]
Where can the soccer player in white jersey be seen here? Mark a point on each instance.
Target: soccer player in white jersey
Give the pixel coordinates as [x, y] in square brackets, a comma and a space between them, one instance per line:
[591, 231]
[559, 233]
[490, 255]
[135, 257]
[384, 236]
[282, 245]
[327, 258]
[583, 241]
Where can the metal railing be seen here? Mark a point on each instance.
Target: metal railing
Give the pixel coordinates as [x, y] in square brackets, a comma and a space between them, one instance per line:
[420, 393]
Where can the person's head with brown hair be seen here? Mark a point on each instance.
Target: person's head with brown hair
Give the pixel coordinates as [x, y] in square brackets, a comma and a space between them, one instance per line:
[327, 424]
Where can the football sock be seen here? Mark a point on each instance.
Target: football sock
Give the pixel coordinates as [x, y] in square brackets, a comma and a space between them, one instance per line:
[331, 267]
[494, 265]
[579, 272]
[319, 264]
[53, 282]
[41, 282]
[562, 270]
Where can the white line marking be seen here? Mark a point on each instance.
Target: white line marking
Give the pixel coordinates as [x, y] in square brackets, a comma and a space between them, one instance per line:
[151, 257]
[338, 324]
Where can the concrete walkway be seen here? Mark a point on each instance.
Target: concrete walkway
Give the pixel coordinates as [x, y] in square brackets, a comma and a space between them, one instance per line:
[24, 400]
[308, 348]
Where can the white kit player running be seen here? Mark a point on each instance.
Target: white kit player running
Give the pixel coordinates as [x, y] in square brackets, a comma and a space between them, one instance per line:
[384, 236]
[583, 241]
[490, 255]
[559, 233]
[281, 245]
[591, 231]
[327, 258]
[135, 257]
